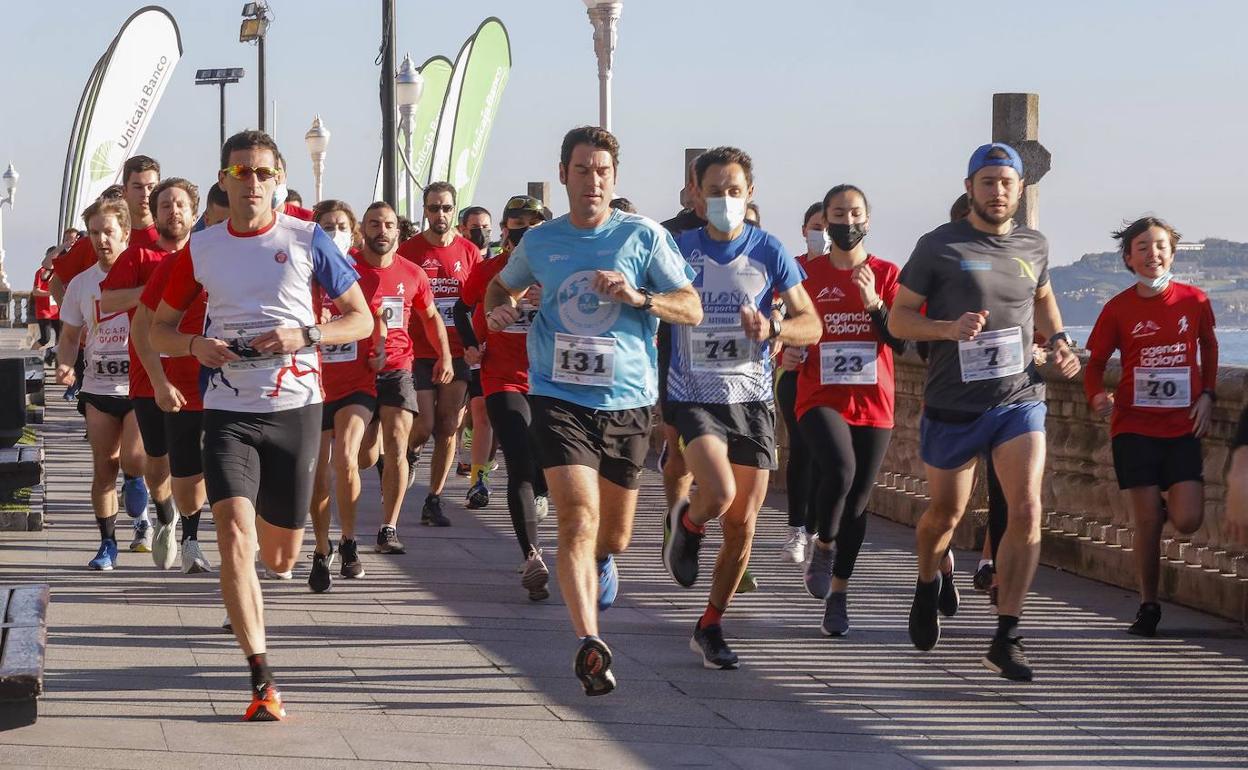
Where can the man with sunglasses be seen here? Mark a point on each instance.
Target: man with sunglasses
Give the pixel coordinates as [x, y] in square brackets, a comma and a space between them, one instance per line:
[441, 384]
[262, 389]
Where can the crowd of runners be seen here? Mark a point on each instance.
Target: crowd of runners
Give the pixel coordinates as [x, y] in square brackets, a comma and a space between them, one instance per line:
[257, 357]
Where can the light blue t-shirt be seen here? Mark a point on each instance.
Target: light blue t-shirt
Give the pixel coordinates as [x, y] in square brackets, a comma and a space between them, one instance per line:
[715, 362]
[583, 348]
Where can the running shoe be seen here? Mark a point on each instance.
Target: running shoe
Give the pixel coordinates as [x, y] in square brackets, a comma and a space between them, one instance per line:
[536, 576]
[794, 549]
[142, 542]
[106, 557]
[164, 545]
[226, 625]
[352, 567]
[266, 705]
[748, 583]
[949, 598]
[463, 468]
[835, 615]
[1006, 657]
[431, 513]
[269, 574]
[134, 496]
[983, 576]
[388, 541]
[1146, 620]
[478, 494]
[924, 623]
[709, 643]
[680, 546]
[413, 459]
[71, 393]
[663, 457]
[541, 503]
[193, 559]
[593, 666]
[608, 583]
[320, 579]
[819, 571]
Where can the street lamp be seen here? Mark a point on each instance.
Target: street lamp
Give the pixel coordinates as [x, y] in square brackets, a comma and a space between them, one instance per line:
[604, 15]
[409, 86]
[317, 140]
[10, 178]
[219, 77]
[255, 25]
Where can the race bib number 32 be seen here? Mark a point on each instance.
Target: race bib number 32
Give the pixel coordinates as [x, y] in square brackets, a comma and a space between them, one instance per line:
[992, 355]
[1163, 387]
[584, 360]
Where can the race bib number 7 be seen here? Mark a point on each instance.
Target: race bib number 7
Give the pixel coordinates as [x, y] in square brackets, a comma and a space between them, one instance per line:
[583, 360]
[992, 355]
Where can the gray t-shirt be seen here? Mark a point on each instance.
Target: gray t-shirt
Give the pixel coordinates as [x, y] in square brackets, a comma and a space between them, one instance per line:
[959, 270]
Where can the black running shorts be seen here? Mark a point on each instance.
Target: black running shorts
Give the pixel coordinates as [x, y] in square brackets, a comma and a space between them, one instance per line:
[113, 406]
[184, 432]
[749, 429]
[1148, 461]
[366, 400]
[614, 443]
[151, 426]
[395, 388]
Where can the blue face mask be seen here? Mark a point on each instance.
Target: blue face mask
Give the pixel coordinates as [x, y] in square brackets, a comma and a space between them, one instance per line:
[1156, 284]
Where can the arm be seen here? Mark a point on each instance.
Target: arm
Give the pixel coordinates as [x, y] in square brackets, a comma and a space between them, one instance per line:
[116, 300]
[168, 397]
[1202, 411]
[57, 287]
[802, 327]
[67, 353]
[680, 306]
[907, 323]
[37, 292]
[1048, 322]
[463, 325]
[1101, 345]
[501, 304]
[435, 332]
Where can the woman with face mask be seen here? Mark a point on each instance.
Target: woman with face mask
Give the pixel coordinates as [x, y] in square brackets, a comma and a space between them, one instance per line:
[845, 394]
[338, 221]
[1164, 400]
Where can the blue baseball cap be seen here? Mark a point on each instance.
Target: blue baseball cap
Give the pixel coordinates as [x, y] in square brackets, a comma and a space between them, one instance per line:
[980, 159]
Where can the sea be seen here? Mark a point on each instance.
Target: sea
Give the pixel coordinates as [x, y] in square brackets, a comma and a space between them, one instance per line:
[1232, 344]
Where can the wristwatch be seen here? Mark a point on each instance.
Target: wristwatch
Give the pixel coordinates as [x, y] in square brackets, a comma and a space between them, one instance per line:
[649, 303]
[776, 325]
[1064, 337]
[313, 335]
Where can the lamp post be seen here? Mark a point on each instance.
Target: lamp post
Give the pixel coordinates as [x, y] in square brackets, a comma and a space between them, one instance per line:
[222, 78]
[10, 178]
[255, 25]
[409, 86]
[389, 186]
[317, 140]
[605, 16]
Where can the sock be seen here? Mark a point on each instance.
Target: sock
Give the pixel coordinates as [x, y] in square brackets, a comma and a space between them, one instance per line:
[711, 617]
[108, 527]
[1007, 626]
[164, 511]
[983, 563]
[475, 470]
[190, 527]
[260, 673]
[928, 592]
[690, 526]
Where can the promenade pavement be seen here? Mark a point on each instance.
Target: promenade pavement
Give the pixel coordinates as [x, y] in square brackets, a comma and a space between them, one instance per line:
[437, 658]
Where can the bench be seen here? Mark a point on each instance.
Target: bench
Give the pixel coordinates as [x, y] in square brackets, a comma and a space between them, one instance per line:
[23, 641]
[21, 466]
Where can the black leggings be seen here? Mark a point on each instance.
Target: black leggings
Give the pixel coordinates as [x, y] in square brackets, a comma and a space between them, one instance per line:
[49, 330]
[510, 416]
[848, 460]
[798, 472]
[998, 511]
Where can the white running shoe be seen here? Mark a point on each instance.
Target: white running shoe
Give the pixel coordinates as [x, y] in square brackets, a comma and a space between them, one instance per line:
[269, 574]
[142, 542]
[164, 545]
[193, 559]
[542, 504]
[536, 576]
[226, 625]
[794, 549]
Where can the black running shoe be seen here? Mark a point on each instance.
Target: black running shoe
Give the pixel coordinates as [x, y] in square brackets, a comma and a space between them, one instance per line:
[709, 643]
[680, 546]
[1146, 620]
[593, 667]
[924, 620]
[1006, 657]
[388, 541]
[983, 576]
[431, 514]
[381, 468]
[349, 551]
[463, 469]
[948, 595]
[320, 579]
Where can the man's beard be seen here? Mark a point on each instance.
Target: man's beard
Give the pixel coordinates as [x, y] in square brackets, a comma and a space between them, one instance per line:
[169, 233]
[440, 227]
[381, 245]
[987, 216]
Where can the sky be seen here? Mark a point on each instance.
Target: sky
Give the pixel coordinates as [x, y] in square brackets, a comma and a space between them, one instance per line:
[1141, 102]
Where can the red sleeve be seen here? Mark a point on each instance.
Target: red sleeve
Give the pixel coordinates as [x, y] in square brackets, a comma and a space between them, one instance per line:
[888, 291]
[71, 263]
[155, 285]
[473, 290]
[125, 271]
[40, 283]
[1208, 346]
[422, 300]
[182, 287]
[1101, 345]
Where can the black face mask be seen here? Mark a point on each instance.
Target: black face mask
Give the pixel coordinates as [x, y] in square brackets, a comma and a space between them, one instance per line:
[515, 234]
[479, 236]
[846, 237]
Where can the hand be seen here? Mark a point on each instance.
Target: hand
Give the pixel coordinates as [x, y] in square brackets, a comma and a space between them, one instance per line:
[1066, 360]
[864, 278]
[212, 352]
[65, 375]
[534, 295]
[168, 398]
[1202, 415]
[614, 286]
[1039, 354]
[756, 325]
[1103, 404]
[472, 356]
[792, 358]
[443, 371]
[969, 326]
[283, 339]
[501, 317]
[378, 359]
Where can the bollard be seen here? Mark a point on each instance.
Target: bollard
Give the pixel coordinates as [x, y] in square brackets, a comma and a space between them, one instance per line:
[12, 400]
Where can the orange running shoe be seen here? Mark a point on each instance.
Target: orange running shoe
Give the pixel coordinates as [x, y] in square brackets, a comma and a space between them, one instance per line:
[266, 705]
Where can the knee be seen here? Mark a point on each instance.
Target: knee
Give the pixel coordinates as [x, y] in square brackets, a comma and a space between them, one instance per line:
[1025, 517]
[718, 495]
[616, 542]
[575, 528]
[941, 516]
[737, 531]
[445, 425]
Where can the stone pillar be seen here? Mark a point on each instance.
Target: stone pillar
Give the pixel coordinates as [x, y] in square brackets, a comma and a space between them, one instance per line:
[541, 191]
[691, 154]
[1016, 122]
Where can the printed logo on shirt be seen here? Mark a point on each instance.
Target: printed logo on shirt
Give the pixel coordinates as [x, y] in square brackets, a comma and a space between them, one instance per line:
[975, 264]
[1183, 325]
[847, 323]
[1164, 355]
[562, 257]
[399, 288]
[459, 267]
[1024, 269]
[280, 257]
[581, 309]
[1145, 329]
[830, 294]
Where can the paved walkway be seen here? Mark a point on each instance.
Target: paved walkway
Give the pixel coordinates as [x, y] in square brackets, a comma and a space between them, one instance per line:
[437, 658]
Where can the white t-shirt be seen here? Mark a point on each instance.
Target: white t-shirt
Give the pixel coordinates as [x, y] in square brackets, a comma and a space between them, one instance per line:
[108, 361]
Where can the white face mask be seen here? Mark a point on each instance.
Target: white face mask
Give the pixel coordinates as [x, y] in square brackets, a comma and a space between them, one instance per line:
[279, 195]
[817, 242]
[1156, 284]
[342, 239]
[726, 214]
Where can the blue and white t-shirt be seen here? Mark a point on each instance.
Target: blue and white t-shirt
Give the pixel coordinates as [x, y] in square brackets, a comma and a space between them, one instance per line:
[583, 348]
[715, 362]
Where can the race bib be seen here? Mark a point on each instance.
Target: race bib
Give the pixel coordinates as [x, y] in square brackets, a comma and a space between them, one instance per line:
[112, 366]
[525, 321]
[392, 312]
[1163, 387]
[337, 354]
[239, 335]
[446, 309]
[992, 355]
[721, 350]
[584, 360]
[847, 363]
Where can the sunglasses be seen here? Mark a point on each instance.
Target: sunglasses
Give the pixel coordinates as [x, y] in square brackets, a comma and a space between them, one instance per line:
[238, 171]
[523, 203]
[445, 208]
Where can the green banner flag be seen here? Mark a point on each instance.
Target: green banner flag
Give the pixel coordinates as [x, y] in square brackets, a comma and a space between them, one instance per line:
[485, 74]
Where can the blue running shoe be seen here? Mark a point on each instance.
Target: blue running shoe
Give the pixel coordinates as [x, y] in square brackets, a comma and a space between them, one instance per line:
[106, 557]
[134, 496]
[608, 583]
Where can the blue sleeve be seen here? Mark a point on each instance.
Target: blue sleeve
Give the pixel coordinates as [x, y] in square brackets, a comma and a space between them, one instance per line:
[517, 273]
[330, 268]
[667, 269]
[787, 272]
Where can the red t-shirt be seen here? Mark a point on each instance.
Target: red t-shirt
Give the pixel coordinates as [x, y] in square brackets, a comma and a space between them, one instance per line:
[44, 307]
[133, 269]
[447, 268]
[344, 368]
[850, 369]
[401, 295]
[298, 212]
[81, 255]
[181, 371]
[504, 354]
[1158, 337]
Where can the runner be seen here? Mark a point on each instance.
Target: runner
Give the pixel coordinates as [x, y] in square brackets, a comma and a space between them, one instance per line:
[474, 224]
[845, 395]
[281, 195]
[103, 399]
[447, 258]
[1163, 404]
[121, 290]
[986, 284]
[47, 312]
[504, 362]
[592, 369]
[719, 385]
[262, 393]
